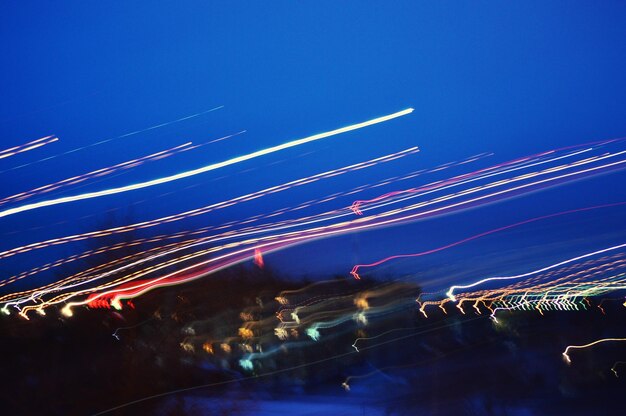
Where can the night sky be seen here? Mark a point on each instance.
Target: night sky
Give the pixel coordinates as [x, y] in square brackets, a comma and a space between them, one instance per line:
[116, 81]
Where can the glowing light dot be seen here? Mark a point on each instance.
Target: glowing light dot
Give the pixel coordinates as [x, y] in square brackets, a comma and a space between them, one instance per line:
[67, 311]
[313, 333]
[246, 364]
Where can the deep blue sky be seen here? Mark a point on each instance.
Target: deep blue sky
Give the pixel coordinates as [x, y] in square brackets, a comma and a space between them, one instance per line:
[502, 77]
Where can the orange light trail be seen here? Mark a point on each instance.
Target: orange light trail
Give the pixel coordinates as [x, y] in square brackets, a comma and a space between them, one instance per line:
[272, 237]
[189, 243]
[206, 209]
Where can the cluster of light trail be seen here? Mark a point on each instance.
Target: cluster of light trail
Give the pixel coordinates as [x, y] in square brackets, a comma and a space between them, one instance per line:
[131, 276]
[329, 309]
[121, 136]
[203, 169]
[96, 174]
[163, 238]
[231, 247]
[563, 286]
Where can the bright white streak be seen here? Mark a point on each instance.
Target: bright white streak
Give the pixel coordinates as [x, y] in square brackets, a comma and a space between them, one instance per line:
[203, 169]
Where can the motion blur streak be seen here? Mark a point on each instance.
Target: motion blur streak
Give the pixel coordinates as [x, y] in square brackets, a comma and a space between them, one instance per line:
[116, 138]
[180, 246]
[355, 270]
[238, 245]
[567, 288]
[591, 344]
[208, 208]
[96, 174]
[450, 292]
[27, 146]
[204, 169]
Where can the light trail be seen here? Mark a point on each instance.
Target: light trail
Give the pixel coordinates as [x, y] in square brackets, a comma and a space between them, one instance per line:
[206, 168]
[379, 335]
[591, 344]
[482, 174]
[208, 208]
[564, 289]
[97, 173]
[133, 133]
[287, 240]
[346, 382]
[355, 270]
[482, 199]
[245, 253]
[243, 248]
[450, 292]
[116, 335]
[615, 365]
[189, 243]
[27, 146]
[79, 237]
[496, 170]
